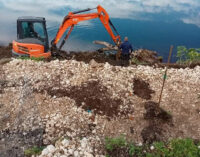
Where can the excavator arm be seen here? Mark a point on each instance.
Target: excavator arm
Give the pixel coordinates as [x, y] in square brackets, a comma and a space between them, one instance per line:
[73, 18]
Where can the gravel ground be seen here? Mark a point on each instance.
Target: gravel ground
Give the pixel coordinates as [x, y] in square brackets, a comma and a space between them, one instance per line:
[76, 105]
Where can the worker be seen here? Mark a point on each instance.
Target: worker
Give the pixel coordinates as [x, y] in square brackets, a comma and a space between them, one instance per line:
[31, 31]
[126, 49]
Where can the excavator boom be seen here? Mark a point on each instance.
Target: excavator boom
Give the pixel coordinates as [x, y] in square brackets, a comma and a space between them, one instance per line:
[73, 18]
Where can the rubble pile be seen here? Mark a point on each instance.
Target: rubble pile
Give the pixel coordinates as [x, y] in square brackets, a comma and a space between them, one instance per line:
[77, 105]
[146, 56]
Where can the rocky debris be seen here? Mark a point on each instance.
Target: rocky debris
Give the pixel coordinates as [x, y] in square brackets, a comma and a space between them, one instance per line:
[61, 97]
[13, 143]
[88, 56]
[146, 56]
[76, 148]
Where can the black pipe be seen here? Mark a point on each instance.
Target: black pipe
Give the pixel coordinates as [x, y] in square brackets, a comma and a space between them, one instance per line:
[80, 11]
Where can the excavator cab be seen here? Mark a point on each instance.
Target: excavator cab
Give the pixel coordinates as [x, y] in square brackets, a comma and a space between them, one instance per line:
[32, 38]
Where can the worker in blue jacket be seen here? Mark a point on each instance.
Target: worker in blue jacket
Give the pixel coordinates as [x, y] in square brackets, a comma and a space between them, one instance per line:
[126, 48]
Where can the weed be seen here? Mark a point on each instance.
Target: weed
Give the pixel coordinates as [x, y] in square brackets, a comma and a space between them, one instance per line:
[37, 59]
[184, 148]
[173, 148]
[135, 150]
[33, 151]
[113, 143]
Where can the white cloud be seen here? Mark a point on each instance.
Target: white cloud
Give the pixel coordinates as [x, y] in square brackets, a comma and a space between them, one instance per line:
[193, 20]
[116, 8]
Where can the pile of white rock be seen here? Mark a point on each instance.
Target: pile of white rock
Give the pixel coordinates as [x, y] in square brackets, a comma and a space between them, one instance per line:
[76, 148]
[64, 118]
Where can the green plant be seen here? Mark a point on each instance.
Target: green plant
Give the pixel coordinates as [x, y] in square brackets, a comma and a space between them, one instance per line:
[113, 143]
[33, 151]
[160, 150]
[184, 148]
[175, 148]
[136, 150]
[120, 142]
[32, 58]
[132, 150]
[186, 56]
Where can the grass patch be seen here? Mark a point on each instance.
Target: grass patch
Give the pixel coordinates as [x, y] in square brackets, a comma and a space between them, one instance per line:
[113, 143]
[117, 147]
[37, 59]
[33, 151]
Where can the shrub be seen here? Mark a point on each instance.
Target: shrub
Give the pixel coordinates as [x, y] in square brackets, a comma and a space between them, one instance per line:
[188, 55]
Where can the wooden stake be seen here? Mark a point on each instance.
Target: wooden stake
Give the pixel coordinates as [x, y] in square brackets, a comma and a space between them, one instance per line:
[165, 75]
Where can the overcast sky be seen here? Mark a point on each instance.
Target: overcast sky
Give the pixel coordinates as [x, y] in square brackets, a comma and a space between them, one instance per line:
[135, 9]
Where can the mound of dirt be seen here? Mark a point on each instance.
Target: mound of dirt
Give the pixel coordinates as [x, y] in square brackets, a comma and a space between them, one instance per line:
[157, 118]
[86, 57]
[5, 51]
[147, 56]
[179, 66]
[154, 112]
[92, 97]
[119, 152]
[142, 89]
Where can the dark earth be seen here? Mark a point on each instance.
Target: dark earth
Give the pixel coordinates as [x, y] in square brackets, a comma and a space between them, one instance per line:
[157, 120]
[93, 97]
[5, 51]
[142, 89]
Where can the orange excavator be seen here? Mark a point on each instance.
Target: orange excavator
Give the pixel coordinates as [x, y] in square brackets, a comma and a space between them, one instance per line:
[32, 37]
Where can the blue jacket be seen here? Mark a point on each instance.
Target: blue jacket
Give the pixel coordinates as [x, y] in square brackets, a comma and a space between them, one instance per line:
[126, 47]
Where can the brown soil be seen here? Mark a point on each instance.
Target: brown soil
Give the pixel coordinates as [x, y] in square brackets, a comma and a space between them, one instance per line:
[92, 97]
[179, 66]
[5, 51]
[157, 118]
[88, 56]
[119, 152]
[142, 89]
